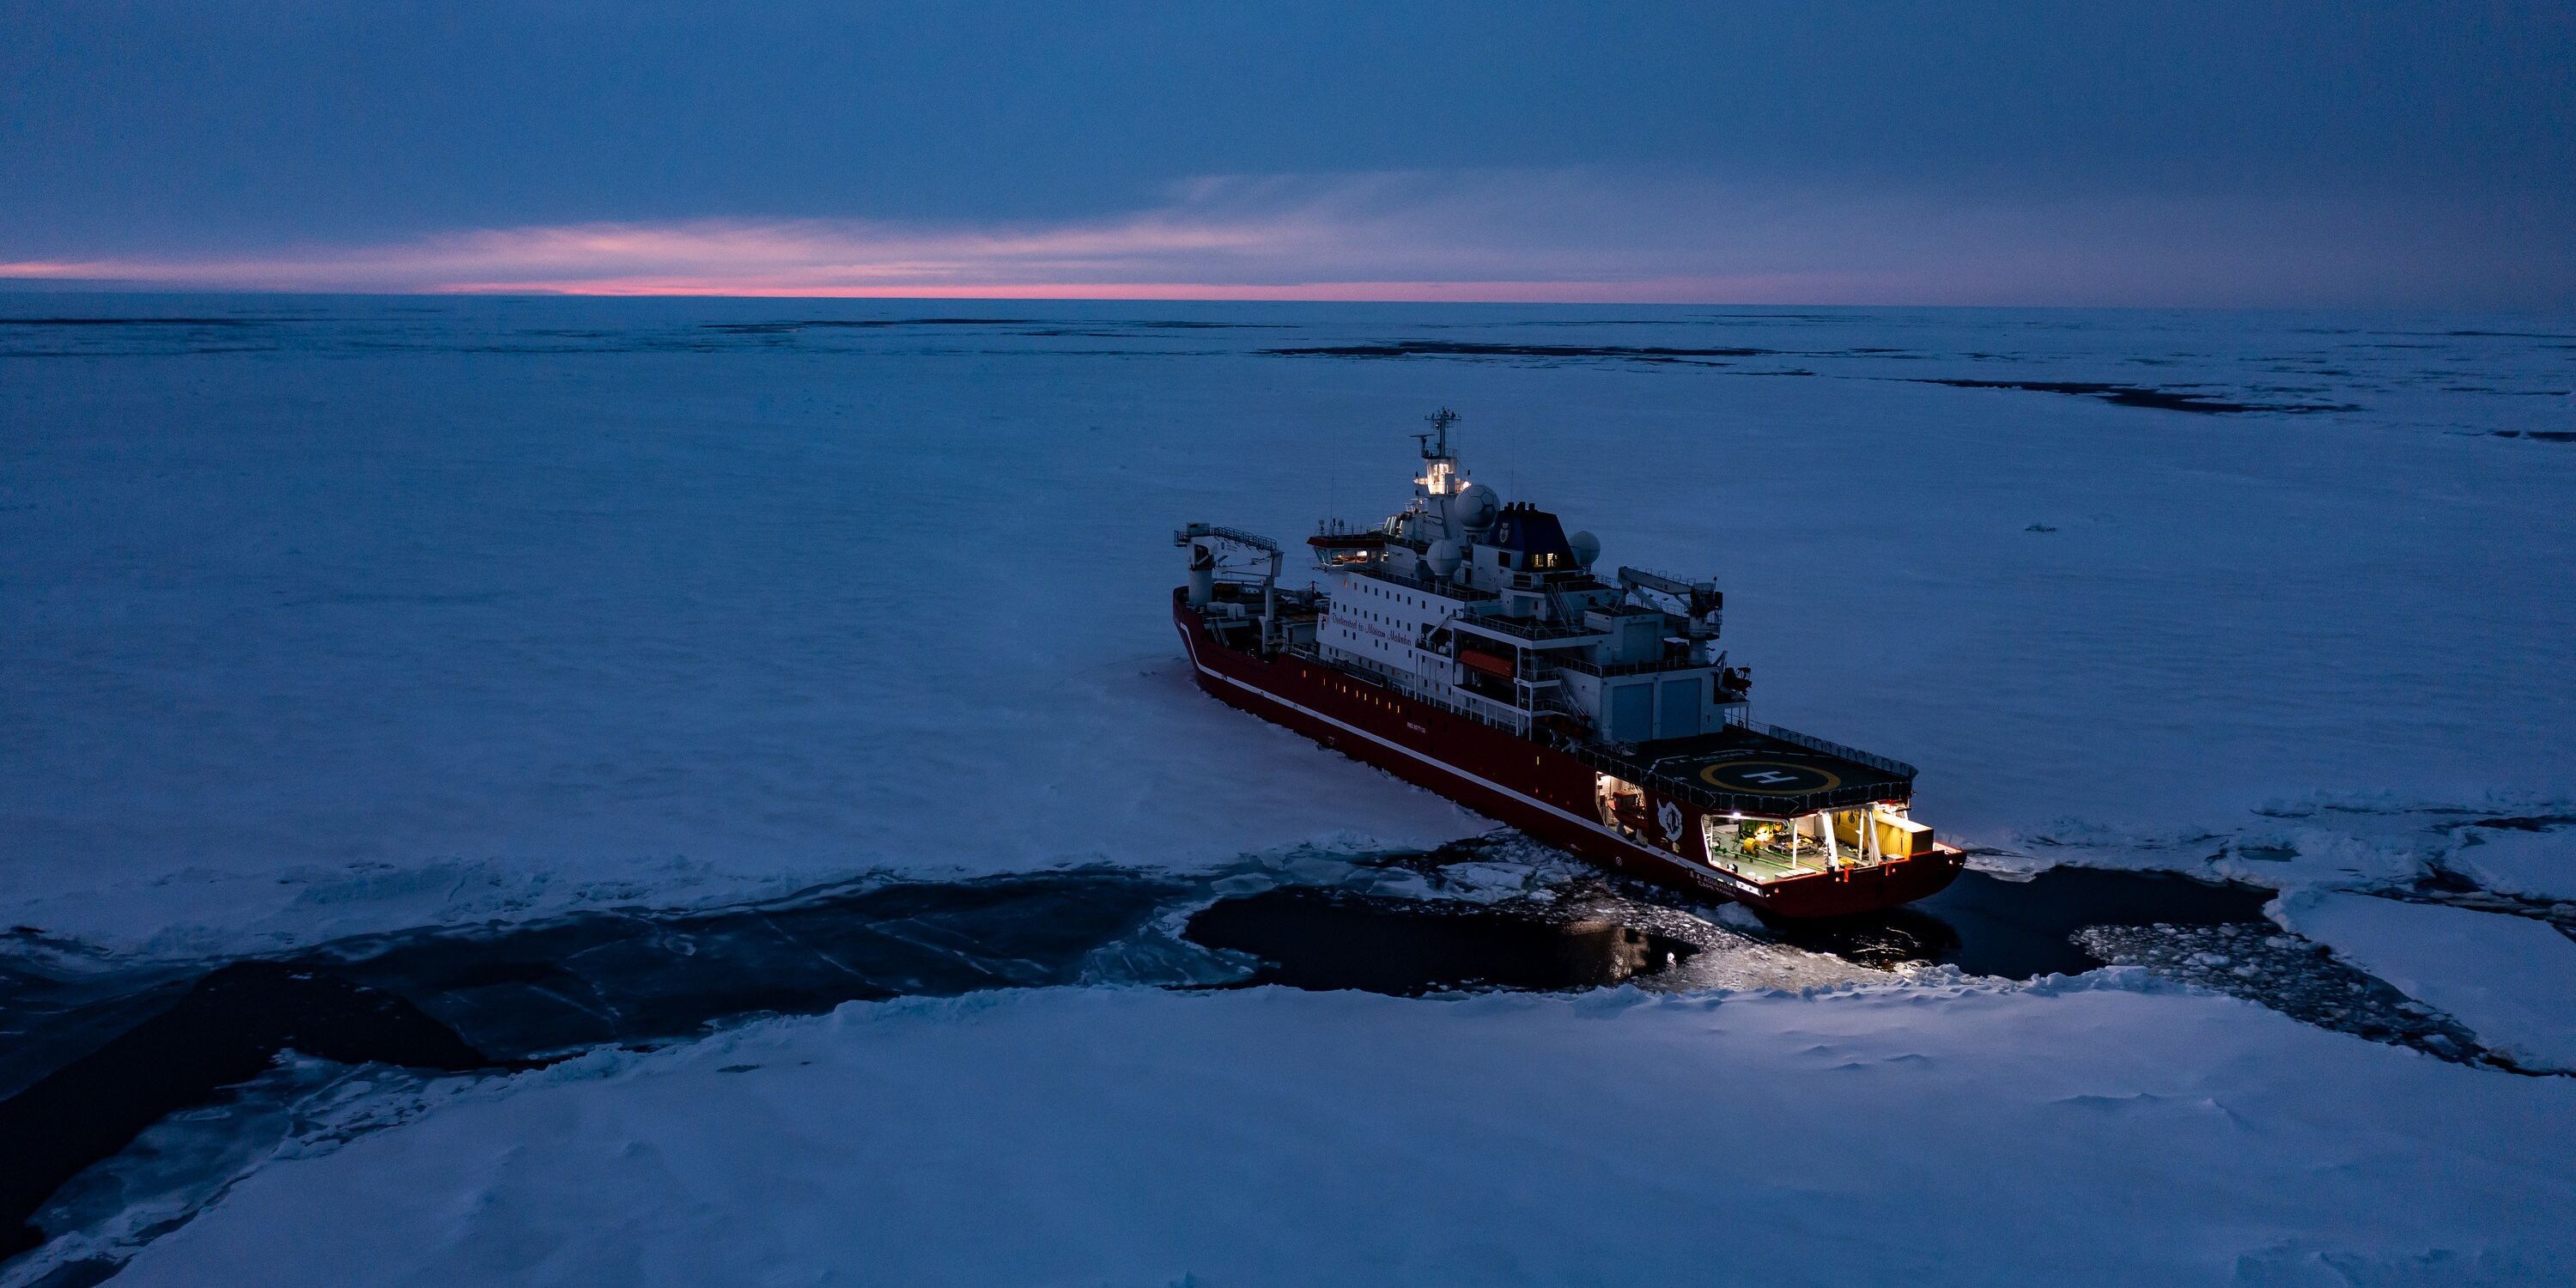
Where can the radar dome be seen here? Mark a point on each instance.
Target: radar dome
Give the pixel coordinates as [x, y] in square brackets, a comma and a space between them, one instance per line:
[1474, 507]
[1443, 558]
[1587, 547]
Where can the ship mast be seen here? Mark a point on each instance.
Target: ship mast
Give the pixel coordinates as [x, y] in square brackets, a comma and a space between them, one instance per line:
[1439, 464]
[1440, 421]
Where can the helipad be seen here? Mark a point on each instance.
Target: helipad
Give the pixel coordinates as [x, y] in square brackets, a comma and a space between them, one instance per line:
[1756, 773]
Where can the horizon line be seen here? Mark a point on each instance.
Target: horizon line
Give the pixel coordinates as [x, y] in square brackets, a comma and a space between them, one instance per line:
[40, 286]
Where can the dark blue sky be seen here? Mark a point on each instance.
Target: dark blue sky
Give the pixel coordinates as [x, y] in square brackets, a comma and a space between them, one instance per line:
[2165, 153]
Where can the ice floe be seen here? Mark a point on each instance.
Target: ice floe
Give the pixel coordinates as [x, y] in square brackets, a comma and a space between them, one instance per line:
[2088, 1131]
[2538, 864]
[2511, 980]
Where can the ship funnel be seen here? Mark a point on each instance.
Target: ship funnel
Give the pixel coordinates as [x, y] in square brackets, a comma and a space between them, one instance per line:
[1587, 547]
[1443, 558]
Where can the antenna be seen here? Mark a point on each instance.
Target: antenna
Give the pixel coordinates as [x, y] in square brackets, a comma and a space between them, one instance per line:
[1440, 421]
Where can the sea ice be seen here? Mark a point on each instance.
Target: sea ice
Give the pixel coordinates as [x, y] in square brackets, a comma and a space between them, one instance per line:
[2511, 980]
[2529, 865]
[2076, 1132]
[373, 614]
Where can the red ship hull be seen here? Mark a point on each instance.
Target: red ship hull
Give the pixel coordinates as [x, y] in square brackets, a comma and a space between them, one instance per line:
[1539, 790]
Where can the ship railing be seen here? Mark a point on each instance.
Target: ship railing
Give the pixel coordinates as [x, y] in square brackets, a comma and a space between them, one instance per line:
[1713, 801]
[1431, 586]
[1501, 716]
[1522, 628]
[1255, 540]
[1627, 668]
[1556, 701]
[1813, 743]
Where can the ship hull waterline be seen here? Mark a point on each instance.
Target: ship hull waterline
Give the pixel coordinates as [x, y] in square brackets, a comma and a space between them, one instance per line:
[1543, 792]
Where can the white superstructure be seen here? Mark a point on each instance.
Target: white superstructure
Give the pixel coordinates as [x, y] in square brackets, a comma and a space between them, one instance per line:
[1493, 608]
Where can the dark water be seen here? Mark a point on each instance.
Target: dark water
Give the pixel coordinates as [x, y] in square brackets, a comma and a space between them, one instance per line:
[619, 978]
[2022, 929]
[226, 1028]
[1328, 939]
[460, 1001]
[113, 1060]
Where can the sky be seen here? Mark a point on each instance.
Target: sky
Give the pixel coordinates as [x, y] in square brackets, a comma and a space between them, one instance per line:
[2151, 154]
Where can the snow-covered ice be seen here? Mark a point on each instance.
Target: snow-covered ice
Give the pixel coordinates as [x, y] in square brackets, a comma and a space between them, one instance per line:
[353, 614]
[2530, 865]
[1961, 1135]
[2511, 980]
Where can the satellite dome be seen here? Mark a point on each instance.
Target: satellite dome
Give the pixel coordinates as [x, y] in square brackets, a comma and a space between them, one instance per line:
[1587, 547]
[1474, 507]
[1443, 558]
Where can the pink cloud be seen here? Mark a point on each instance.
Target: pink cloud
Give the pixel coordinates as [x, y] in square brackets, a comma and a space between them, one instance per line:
[1559, 236]
[1642, 291]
